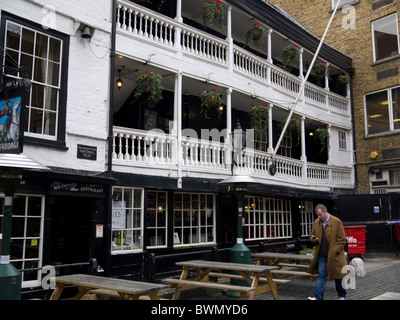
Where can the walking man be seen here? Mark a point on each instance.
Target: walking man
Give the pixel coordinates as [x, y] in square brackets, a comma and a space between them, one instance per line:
[329, 259]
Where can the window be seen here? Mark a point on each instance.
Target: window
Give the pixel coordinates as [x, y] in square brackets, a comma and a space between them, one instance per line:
[43, 54]
[260, 136]
[267, 218]
[395, 177]
[127, 219]
[26, 236]
[342, 137]
[307, 217]
[385, 35]
[194, 218]
[156, 218]
[383, 111]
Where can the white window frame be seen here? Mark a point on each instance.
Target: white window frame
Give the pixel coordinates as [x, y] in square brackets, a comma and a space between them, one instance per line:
[343, 3]
[37, 239]
[120, 210]
[196, 231]
[156, 211]
[373, 35]
[56, 109]
[342, 140]
[390, 111]
[270, 219]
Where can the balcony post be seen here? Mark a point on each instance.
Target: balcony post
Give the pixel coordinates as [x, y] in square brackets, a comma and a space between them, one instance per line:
[270, 137]
[228, 144]
[301, 67]
[176, 132]
[179, 11]
[229, 39]
[303, 148]
[269, 49]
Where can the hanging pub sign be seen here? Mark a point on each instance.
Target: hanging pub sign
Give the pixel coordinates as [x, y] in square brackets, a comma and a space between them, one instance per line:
[12, 104]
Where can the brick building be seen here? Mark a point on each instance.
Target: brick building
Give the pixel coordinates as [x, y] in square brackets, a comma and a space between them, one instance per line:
[368, 31]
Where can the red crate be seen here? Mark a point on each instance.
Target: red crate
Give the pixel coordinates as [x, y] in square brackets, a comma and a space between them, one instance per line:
[356, 236]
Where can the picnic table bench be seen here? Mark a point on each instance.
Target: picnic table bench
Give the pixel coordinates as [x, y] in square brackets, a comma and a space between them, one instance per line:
[207, 271]
[125, 289]
[277, 259]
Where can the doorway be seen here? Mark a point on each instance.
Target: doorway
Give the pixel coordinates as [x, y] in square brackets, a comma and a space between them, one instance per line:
[70, 230]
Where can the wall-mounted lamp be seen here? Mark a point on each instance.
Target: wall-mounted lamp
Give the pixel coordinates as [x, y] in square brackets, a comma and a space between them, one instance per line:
[373, 155]
[119, 80]
[86, 34]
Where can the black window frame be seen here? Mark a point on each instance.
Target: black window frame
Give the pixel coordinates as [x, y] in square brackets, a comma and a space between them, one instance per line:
[60, 143]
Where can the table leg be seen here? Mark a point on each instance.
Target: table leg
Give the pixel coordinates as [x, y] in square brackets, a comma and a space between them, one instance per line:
[154, 295]
[254, 284]
[57, 292]
[203, 276]
[272, 285]
[182, 277]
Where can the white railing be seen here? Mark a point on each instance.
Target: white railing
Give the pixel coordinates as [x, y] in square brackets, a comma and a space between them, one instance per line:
[133, 19]
[138, 146]
[204, 46]
[203, 153]
[155, 150]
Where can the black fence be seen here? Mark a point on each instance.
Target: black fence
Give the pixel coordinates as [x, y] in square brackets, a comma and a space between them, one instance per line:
[379, 213]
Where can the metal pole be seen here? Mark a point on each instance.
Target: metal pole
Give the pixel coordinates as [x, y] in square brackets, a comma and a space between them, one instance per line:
[304, 81]
[10, 277]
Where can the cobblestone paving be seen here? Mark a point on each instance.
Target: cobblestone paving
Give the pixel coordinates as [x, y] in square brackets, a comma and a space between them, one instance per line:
[375, 283]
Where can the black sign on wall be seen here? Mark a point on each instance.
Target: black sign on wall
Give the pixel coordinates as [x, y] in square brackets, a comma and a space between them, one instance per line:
[86, 152]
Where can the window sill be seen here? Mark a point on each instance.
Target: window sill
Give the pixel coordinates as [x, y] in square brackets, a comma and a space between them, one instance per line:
[60, 145]
[346, 4]
[379, 62]
[382, 134]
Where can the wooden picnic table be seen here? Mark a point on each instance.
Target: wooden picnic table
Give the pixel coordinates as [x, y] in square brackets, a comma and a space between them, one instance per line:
[207, 271]
[126, 289]
[280, 260]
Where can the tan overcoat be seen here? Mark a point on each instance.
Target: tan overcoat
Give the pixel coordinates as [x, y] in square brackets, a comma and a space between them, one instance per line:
[336, 237]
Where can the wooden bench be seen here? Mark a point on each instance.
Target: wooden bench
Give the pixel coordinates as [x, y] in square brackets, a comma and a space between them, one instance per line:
[293, 265]
[176, 283]
[278, 282]
[294, 273]
[103, 294]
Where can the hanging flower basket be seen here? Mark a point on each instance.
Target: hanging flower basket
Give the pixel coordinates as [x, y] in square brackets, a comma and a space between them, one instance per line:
[149, 82]
[254, 33]
[320, 71]
[321, 134]
[259, 117]
[289, 55]
[213, 9]
[343, 79]
[210, 99]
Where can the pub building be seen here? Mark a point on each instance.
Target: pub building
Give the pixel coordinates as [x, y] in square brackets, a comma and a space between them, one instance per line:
[133, 184]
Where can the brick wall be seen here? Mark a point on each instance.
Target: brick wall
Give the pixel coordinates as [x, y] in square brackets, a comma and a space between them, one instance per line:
[356, 42]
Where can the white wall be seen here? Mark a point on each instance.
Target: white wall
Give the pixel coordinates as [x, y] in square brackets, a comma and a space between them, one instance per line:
[88, 76]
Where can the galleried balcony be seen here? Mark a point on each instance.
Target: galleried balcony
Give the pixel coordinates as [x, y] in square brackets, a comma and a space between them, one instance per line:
[176, 137]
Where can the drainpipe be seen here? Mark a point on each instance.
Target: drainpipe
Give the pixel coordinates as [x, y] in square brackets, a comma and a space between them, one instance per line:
[111, 96]
[107, 231]
[351, 72]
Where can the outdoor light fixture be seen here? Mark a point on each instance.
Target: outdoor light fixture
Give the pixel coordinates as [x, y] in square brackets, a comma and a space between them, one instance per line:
[119, 80]
[86, 34]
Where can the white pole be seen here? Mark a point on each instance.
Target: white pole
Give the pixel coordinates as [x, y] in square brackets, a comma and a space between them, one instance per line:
[304, 81]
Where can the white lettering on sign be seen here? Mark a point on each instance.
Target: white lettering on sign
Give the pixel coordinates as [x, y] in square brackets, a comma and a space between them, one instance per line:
[351, 239]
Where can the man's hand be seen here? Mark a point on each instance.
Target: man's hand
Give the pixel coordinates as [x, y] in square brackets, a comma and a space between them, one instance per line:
[314, 238]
